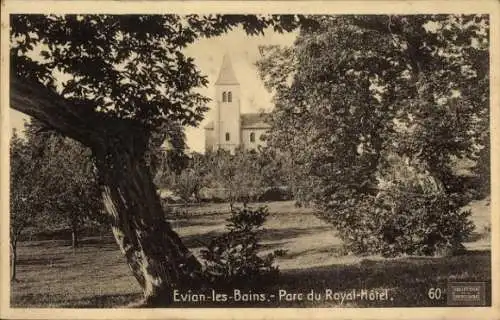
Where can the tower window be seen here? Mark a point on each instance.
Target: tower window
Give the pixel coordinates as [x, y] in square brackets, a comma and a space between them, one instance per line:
[224, 96]
[252, 137]
[227, 136]
[229, 97]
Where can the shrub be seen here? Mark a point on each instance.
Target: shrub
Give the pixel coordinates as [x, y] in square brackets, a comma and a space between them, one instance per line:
[232, 258]
[276, 194]
[411, 214]
[423, 225]
[395, 224]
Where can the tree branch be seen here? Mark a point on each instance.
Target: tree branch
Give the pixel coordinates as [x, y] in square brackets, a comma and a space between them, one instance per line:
[92, 129]
[35, 100]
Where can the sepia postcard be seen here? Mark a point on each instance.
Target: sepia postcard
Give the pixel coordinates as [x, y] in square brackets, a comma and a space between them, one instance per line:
[249, 159]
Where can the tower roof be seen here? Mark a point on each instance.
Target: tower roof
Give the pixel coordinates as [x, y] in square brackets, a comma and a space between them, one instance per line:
[226, 74]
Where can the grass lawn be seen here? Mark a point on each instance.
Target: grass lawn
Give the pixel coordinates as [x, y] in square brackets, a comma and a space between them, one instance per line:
[51, 274]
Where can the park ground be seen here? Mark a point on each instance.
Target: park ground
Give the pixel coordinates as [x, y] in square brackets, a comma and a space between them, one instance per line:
[95, 275]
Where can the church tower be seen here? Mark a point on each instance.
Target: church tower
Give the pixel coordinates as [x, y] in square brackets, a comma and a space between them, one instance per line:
[227, 124]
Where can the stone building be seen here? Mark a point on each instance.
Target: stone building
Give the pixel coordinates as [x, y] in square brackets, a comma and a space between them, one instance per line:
[231, 129]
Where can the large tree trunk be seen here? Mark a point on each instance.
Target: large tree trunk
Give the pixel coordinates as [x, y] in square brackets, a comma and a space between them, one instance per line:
[156, 255]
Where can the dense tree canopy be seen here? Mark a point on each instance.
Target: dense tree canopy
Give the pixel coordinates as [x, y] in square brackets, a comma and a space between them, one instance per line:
[362, 95]
[126, 66]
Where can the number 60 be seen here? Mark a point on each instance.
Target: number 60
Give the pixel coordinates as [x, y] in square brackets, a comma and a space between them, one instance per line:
[434, 293]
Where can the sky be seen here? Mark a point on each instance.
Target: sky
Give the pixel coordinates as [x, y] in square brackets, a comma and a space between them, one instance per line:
[244, 52]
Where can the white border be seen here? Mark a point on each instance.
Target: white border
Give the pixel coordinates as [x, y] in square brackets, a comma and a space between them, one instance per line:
[309, 7]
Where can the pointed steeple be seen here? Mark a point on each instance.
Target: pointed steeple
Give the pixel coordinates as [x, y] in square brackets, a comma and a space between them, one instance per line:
[226, 74]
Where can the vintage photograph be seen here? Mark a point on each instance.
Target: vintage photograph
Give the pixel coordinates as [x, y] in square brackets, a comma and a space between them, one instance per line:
[249, 160]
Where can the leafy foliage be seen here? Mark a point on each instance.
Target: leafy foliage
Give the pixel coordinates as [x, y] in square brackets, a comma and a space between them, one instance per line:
[25, 202]
[51, 184]
[65, 184]
[232, 258]
[186, 184]
[183, 175]
[411, 214]
[127, 66]
[245, 176]
[166, 150]
[238, 174]
[360, 90]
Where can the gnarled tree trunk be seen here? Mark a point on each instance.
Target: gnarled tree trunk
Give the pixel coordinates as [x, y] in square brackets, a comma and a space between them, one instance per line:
[157, 257]
[155, 254]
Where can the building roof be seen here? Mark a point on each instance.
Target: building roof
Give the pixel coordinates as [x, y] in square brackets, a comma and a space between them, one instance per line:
[226, 74]
[254, 120]
[248, 121]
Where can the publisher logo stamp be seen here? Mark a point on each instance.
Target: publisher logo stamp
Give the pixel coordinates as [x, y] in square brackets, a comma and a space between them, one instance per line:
[466, 293]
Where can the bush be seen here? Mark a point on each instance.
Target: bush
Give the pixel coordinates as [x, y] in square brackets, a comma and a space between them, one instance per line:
[276, 194]
[232, 258]
[394, 224]
[410, 215]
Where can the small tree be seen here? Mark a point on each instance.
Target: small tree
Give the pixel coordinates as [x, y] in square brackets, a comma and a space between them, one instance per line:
[74, 194]
[200, 165]
[186, 184]
[240, 174]
[232, 259]
[184, 175]
[270, 165]
[62, 180]
[25, 193]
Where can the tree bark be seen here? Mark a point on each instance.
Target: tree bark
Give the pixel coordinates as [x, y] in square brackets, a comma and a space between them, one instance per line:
[155, 254]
